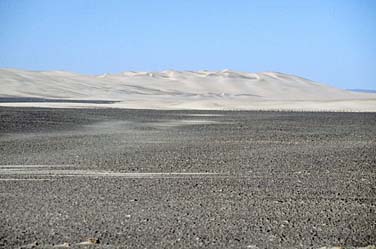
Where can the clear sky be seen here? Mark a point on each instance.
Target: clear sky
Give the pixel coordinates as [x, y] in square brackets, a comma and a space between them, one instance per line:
[332, 42]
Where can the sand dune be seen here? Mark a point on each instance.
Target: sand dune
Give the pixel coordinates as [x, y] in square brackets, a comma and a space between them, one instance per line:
[224, 89]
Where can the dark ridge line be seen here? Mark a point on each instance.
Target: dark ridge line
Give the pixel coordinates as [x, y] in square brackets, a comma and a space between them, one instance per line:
[33, 100]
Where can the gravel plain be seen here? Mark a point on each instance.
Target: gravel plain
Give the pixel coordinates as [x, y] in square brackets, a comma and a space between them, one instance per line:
[117, 178]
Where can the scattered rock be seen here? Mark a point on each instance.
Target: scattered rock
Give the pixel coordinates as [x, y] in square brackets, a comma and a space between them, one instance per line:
[350, 247]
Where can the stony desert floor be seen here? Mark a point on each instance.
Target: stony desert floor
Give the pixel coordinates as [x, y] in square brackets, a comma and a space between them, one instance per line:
[113, 178]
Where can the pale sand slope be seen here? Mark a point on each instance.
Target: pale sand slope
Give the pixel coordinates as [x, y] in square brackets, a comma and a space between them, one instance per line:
[216, 90]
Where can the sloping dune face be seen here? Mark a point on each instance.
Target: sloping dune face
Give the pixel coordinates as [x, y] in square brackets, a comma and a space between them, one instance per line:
[181, 90]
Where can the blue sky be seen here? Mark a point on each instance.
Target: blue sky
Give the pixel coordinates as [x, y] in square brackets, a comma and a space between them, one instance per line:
[332, 42]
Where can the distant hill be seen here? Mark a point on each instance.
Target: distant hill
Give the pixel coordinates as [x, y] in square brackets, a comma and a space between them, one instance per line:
[172, 89]
[362, 90]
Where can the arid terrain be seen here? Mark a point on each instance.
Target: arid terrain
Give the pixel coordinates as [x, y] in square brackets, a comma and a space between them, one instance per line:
[119, 178]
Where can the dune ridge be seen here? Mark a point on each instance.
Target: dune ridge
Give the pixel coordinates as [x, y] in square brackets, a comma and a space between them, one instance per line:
[170, 89]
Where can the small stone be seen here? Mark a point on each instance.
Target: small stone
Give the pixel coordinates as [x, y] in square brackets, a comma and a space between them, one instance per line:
[90, 241]
[29, 246]
[331, 247]
[368, 247]
[64, 245]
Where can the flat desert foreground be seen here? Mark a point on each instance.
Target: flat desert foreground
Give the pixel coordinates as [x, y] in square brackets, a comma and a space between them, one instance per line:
[119, 178]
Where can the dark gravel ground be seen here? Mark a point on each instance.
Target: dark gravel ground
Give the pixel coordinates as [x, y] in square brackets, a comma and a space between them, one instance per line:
[283, 180]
